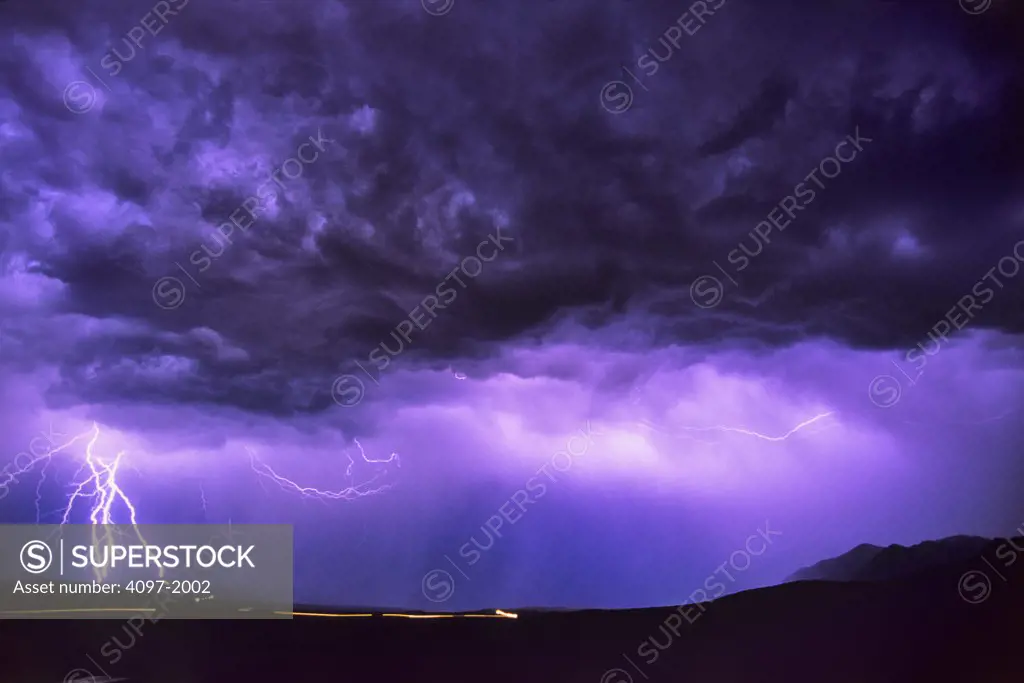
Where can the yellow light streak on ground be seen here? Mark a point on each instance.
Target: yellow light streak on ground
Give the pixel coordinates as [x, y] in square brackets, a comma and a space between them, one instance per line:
[499, 614]
[320, 614]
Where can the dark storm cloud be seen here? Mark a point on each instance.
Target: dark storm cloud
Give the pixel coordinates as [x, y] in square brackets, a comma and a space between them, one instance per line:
[446, 126]
[756, 119]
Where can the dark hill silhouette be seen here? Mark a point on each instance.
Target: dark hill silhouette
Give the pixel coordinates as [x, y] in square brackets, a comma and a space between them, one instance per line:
[869, 562]
[918, 628]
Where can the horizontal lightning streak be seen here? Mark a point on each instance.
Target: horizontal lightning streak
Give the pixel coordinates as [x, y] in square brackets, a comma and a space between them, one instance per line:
[749, 432]
[740, 430]
[347, 493]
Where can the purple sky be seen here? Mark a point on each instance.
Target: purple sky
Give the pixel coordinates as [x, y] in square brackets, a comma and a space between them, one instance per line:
[495, 130]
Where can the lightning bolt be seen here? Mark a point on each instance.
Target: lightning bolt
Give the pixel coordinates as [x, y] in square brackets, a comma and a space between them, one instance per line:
[970, 423]
[95, 480]
[102, 488]
[45, 458]
[39, 490]
[740, 430]
[748, 432]
[266, 472]
[8, 475]
[391, 458]
[202, 499]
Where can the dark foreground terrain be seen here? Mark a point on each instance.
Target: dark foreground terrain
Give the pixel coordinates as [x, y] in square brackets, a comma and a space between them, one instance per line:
[919, 628]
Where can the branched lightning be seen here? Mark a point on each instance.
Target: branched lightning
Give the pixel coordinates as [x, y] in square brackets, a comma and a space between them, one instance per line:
[101, 486]
[347, 493]
[95, 485]
[95, 480]
[8, 475]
